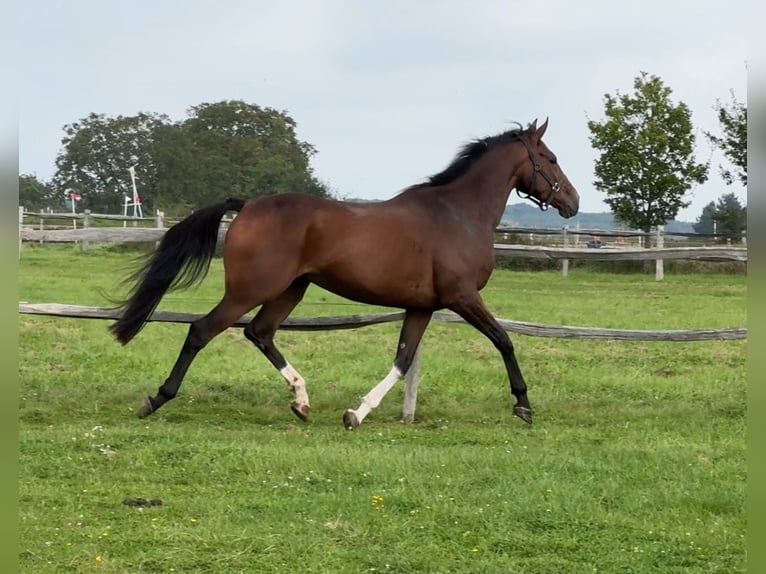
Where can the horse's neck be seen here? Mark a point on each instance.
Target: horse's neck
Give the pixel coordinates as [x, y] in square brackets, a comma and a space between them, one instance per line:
[483, 191]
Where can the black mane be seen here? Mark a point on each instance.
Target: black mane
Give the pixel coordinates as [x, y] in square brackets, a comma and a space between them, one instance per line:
[469, 154]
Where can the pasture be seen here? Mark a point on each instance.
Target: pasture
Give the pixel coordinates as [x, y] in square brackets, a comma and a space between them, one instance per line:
[635, 462]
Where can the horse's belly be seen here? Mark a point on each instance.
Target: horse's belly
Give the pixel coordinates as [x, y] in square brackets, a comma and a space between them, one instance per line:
[378, 287]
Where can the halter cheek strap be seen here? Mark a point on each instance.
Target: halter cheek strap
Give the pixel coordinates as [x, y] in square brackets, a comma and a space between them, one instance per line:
[552, 181]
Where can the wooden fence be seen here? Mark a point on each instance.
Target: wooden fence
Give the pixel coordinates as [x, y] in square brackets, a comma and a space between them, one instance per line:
[412, 378]
[88, 233]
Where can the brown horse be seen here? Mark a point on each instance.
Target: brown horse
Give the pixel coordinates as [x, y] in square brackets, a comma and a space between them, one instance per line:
[428, 248]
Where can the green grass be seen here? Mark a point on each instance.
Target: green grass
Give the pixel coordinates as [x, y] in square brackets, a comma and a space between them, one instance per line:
[635, 462]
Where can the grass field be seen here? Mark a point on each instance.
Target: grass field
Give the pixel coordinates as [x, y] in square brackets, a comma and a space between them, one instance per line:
[635, 462]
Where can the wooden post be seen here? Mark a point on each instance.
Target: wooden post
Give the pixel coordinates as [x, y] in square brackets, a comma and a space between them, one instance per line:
[411, 381]
[659, 271]
[744, 237]
[86, 225]
[565, 262]
[21, 224]
[42, 226]
[160, 222]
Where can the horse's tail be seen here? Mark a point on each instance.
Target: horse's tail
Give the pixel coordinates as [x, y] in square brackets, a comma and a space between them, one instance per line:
[181, 259]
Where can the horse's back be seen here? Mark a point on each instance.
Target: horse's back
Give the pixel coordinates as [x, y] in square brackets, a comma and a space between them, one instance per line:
[369, 251]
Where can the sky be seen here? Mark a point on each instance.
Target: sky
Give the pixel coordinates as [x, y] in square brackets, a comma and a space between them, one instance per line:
[386, 91]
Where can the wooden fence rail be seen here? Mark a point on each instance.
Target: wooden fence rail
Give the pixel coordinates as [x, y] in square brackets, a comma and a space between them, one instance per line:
[412, 378]
[359, 321]
[623, 254]
[150, 234]
[86, 234]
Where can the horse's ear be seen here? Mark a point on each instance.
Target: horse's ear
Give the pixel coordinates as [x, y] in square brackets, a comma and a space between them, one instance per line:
[538, 133]
[533, 125]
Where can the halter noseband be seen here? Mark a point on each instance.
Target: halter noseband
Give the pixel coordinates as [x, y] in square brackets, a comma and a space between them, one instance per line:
[552, 181]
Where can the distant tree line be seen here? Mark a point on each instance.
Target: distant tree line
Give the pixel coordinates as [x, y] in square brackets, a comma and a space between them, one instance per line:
[223, 149]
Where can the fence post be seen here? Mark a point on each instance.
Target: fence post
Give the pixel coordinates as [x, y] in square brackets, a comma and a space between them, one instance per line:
[21, 224]
[160, 224]
[565, 262]
[659, 272]
[86, 225]
[744, 237]
[42, 226]
[411, 381]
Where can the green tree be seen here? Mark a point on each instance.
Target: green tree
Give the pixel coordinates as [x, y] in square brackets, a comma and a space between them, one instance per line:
[232, 148]
[647, 163]
[705, 224]
[35, 195]
[733, 139]
[97, 153]
[223, 149]
[730, 218]
[726, 218]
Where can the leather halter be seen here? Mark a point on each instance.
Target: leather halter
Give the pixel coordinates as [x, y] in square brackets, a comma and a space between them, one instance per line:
[552, 181]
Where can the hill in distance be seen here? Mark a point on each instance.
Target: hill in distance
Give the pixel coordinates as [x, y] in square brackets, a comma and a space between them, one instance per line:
[523, 215]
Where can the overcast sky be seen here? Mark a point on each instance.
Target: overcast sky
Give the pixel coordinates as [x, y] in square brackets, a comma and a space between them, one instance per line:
[386, 91]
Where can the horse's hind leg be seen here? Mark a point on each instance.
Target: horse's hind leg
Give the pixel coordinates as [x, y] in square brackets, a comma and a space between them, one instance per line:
[261, 332]
[200, 333]
[413, 327]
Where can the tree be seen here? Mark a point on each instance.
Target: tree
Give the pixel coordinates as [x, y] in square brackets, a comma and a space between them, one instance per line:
[35, 195]
[233, 148]
[730, 218]
[223, 149]
[647, 163]
[726, 218]
[97, 153]
[733, 141]
[705, 224]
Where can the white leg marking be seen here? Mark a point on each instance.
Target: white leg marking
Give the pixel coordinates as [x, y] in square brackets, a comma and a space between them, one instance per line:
[372, 399]
[411, 382]
[296, 383]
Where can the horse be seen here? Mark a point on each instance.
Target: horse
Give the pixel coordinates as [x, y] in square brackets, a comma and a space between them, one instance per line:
[430, 247]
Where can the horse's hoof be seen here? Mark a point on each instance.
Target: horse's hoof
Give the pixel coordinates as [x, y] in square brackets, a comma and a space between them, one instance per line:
[301, 410]
[350, 422]
[523, 413]
[146, 409]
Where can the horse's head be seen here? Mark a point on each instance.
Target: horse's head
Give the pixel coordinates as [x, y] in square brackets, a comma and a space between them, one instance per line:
[541, 179]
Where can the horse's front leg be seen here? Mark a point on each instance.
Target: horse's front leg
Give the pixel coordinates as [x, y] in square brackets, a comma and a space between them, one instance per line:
[413, 327]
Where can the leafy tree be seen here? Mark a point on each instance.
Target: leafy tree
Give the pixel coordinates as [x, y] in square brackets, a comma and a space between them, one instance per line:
[97, 153]
[705, 224]
[726, 218]
[733, 139]
[730, 217]
[35, 195]
[647, 160]
[229, 148]
[233, 148]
